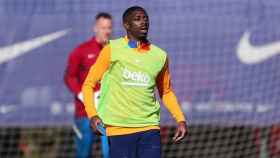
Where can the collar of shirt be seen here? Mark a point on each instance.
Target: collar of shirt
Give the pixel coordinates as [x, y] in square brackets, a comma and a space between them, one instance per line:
[139, 46]
[94, 41]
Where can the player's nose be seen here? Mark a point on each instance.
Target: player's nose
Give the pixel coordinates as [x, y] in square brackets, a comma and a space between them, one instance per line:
[144, 23]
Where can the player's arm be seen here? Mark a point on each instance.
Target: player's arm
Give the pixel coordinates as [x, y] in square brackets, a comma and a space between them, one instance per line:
[72, 72]
[167, 94]
[169, 99]
[95, 74]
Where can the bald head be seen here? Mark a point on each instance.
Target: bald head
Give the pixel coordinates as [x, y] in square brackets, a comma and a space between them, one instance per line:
[103, 27]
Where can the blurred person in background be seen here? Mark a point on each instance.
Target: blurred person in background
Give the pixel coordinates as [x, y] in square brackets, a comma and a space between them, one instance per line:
[79, 63]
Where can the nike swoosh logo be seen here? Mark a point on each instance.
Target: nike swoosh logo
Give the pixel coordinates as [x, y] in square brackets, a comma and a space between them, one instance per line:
[10, 52]
[249, 54]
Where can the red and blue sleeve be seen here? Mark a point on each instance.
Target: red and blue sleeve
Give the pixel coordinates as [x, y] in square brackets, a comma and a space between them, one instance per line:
[72, 72]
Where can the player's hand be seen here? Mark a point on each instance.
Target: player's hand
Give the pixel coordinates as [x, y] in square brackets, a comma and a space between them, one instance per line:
[94, 121]
[181, 132]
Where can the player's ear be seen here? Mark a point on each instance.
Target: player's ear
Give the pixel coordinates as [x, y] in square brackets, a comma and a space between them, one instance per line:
[126, 25]
[94, 28]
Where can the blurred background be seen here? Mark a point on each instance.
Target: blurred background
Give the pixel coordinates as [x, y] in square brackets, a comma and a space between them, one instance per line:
[224, 57]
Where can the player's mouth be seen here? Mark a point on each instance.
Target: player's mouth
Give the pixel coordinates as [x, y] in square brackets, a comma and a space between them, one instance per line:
[144, 29]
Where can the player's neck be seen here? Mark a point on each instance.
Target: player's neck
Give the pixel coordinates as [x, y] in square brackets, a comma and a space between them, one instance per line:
[101, 42]
[130, 37]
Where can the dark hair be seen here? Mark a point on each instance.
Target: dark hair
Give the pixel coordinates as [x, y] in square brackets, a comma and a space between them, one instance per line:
[103, 15]
[130, 10]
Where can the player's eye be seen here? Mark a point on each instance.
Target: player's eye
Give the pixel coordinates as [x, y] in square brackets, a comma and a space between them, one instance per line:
[137, 18]
[145, 18]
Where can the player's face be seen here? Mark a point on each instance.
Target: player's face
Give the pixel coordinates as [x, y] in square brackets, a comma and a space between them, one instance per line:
[138, 24]
[103, 30]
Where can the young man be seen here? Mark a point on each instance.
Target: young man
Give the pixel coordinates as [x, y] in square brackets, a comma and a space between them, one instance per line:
[79, 63]
[130, 68]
